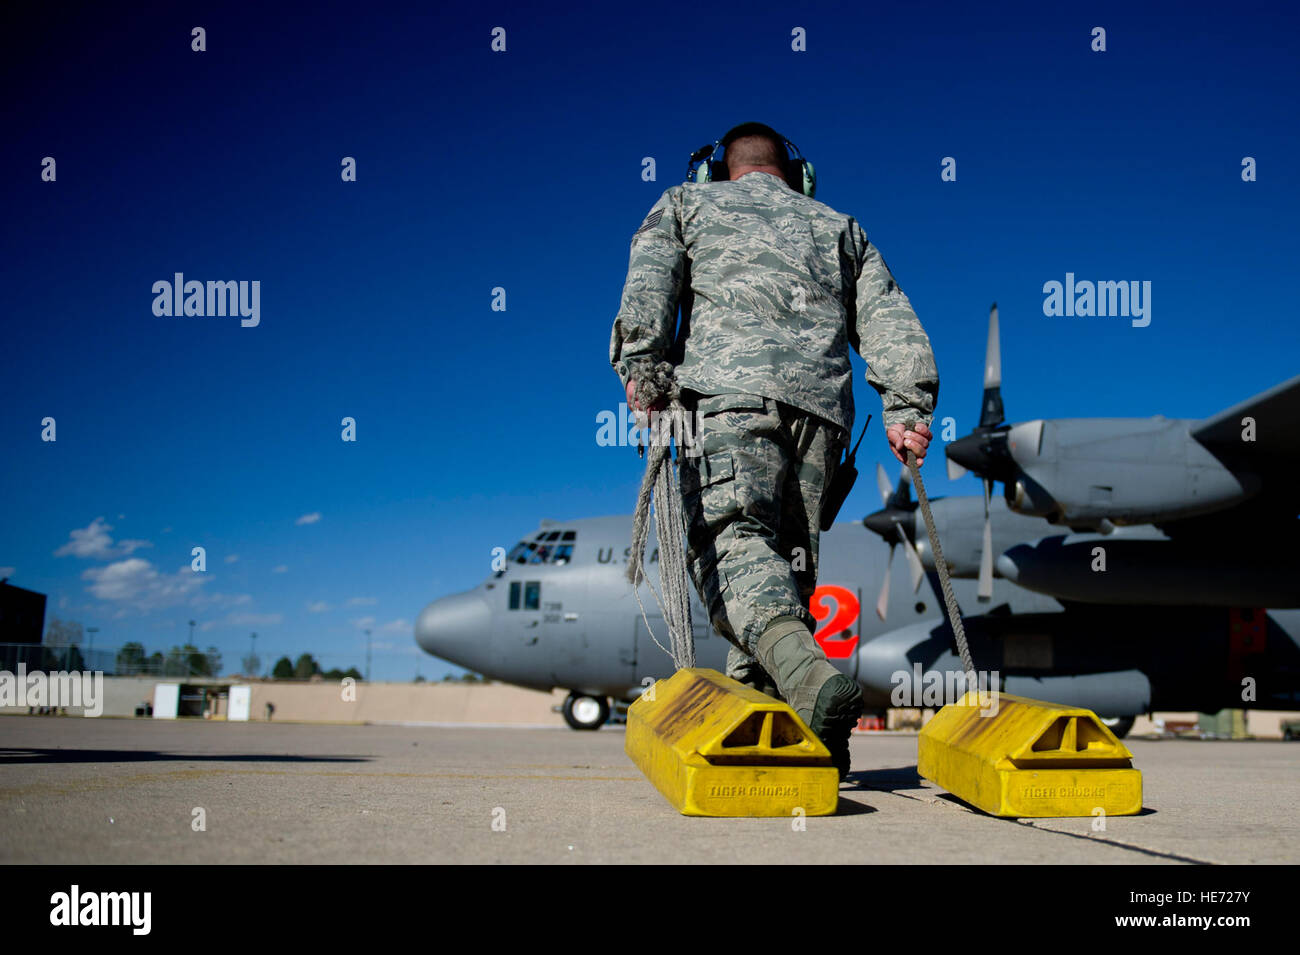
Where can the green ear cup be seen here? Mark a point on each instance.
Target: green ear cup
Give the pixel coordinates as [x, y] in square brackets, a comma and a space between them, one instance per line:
[809, 179]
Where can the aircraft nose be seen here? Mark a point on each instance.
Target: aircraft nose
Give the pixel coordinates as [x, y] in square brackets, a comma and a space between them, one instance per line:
[456, 628]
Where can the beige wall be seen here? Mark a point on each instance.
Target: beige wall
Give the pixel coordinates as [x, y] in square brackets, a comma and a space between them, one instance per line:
[408, 703]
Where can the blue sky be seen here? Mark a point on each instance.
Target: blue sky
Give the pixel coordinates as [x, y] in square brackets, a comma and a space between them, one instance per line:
[522, 170]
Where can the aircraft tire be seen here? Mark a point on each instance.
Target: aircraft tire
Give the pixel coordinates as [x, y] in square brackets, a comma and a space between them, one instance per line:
[1119, 725]
[580, 714]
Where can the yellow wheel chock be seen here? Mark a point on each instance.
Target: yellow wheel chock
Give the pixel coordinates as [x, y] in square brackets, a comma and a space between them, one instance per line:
[715, 747]
[1012, 756]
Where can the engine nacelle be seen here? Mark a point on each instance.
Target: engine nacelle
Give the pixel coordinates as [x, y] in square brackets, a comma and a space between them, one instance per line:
[1086, 471]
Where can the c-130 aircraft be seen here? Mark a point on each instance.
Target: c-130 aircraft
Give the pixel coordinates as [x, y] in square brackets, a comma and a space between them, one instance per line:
[1132, 565]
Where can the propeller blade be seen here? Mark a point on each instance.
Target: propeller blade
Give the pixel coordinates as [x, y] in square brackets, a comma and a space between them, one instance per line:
[993, 352]
[882, 602]
[882, 482]
[955, 470]
[914, 562]
[903, 493]
[985, 592]
[991, 413]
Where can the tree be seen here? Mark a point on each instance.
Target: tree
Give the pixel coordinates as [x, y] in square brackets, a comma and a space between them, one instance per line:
[63, 633]
[305, 668]
[337, 674]
[66, 657]
[188, 661]
[156, 663]
[251, 664]
[283, 669]
[131, 659]
[212, 662]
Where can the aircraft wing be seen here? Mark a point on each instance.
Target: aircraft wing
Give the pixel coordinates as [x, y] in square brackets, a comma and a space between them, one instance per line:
[1276, 439]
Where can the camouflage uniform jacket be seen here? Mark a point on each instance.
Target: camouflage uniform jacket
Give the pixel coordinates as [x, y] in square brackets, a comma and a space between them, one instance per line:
[767, 278]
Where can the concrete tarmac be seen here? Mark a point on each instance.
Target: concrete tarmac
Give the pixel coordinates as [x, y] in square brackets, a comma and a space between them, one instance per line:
[79, 791]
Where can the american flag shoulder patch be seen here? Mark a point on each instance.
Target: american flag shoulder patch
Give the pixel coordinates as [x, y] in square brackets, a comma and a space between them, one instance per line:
[651, 221]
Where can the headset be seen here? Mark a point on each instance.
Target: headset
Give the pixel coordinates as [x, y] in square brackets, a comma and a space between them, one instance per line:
[799, 172]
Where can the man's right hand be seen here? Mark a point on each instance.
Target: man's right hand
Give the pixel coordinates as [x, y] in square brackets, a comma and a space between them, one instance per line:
[901, 439]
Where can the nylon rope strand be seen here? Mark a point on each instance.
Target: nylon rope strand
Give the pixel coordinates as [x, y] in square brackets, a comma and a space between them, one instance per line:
[660, 484]
[954, 614]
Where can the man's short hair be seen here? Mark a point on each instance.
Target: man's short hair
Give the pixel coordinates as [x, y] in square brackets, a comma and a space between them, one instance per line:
[754, 150]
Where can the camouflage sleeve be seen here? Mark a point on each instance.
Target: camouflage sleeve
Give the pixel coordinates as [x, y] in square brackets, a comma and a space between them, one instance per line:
[647, 317]
[889, 337]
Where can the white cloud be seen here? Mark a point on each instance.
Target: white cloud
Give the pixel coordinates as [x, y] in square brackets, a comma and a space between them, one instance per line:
[220, 600]
[280, 569]
[137, 584]
[361, 623]
[7, 571]
[231, 558]
[318, 606]
[362, 602]
[311, 518]
[94, 542]
[397, 626]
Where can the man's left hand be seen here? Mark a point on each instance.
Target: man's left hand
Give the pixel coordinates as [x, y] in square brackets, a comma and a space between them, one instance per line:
[900, 439]
[635, 404]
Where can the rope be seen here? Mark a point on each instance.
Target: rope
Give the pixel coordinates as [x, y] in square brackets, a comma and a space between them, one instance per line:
[945, 584]
[660, 483]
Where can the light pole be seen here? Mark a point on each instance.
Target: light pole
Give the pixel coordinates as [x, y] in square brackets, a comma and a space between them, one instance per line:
[252, 655]
[367, 656]
[90, 649]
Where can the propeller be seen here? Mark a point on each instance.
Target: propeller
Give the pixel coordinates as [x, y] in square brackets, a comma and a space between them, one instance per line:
[890, 522]
[984, 451]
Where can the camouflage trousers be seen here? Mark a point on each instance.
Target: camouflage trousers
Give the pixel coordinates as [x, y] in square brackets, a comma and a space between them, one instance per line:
[752, 504]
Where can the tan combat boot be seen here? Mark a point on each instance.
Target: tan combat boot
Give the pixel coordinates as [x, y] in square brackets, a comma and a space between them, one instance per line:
[827, 700]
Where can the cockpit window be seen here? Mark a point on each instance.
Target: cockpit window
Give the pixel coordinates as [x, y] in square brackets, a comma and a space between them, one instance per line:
[537, 552]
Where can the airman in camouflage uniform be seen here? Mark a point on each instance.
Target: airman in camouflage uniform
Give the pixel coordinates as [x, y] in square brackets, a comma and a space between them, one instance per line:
[774, 286]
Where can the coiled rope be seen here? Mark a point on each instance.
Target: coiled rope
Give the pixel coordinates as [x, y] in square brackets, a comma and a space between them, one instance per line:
[660, 484]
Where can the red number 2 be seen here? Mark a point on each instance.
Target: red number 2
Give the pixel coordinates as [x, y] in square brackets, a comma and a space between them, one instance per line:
[846, 612]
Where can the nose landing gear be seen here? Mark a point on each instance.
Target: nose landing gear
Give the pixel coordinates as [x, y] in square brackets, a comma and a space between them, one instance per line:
[583, 712]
